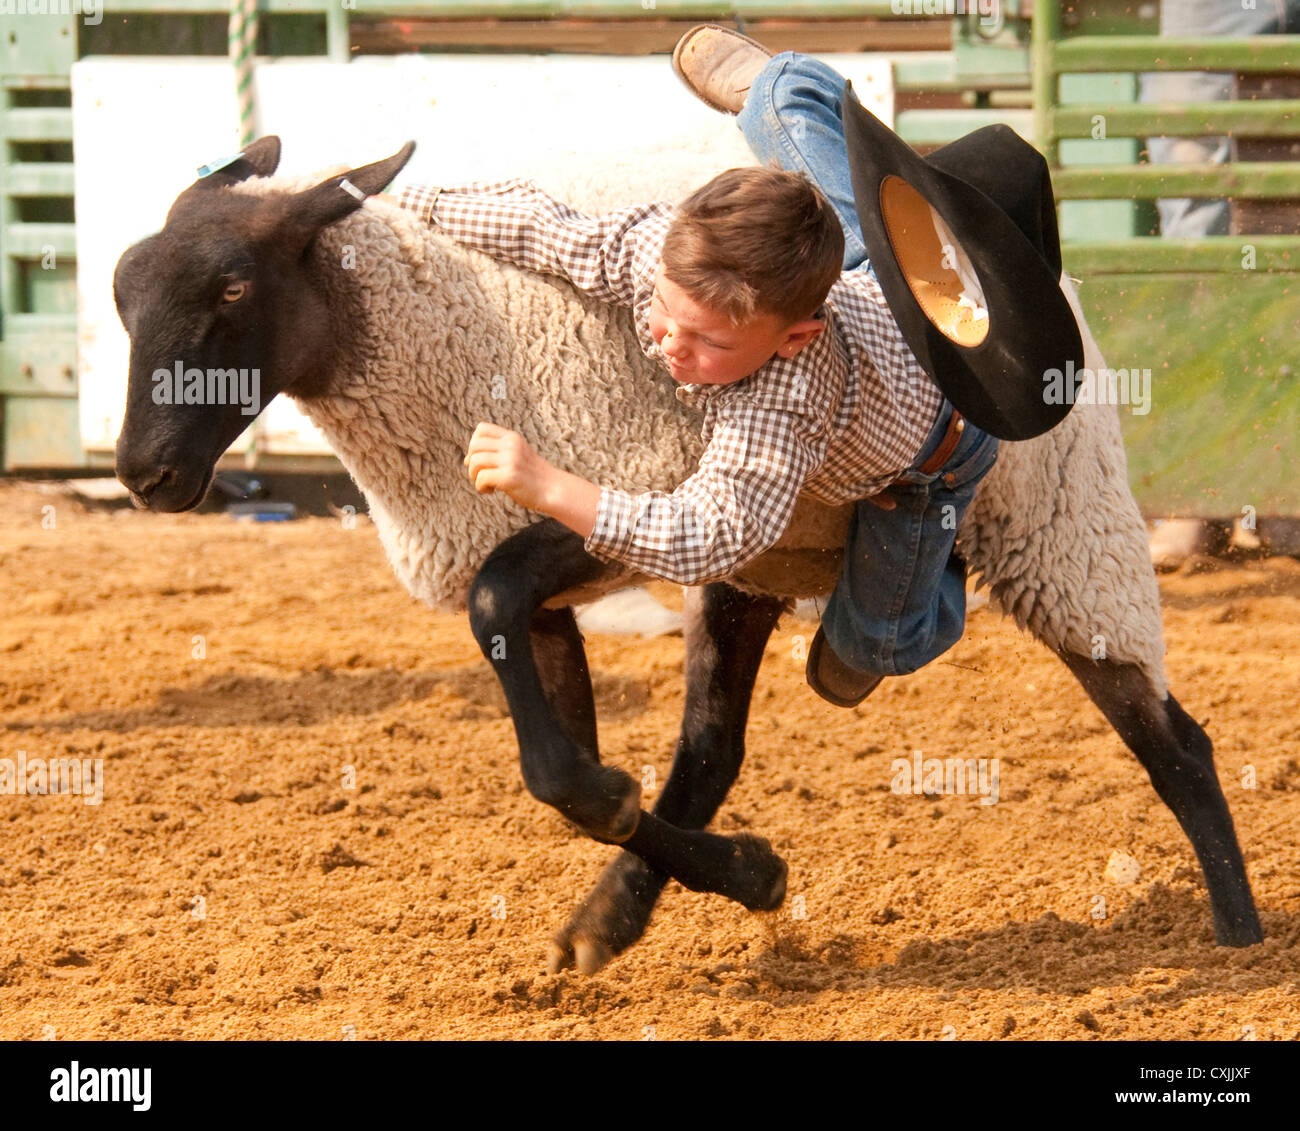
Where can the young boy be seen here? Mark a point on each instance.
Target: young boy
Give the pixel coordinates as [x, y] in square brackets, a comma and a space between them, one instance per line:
[756, 294]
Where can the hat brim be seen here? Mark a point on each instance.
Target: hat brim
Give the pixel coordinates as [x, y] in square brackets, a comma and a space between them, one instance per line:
[999, 381]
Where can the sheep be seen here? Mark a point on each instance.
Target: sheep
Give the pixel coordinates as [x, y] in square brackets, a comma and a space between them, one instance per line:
[395, 341]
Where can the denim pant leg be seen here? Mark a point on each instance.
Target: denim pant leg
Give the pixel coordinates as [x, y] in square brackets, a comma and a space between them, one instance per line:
[901, 596]
[791, 118]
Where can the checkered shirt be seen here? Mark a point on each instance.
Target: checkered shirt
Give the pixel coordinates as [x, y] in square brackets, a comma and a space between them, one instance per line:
[838, 421]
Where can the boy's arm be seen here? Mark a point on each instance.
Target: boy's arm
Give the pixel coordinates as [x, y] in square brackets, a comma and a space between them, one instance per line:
[516, 221]
[736, 505]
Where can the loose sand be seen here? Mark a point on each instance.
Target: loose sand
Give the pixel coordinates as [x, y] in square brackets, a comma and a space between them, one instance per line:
[231, 884]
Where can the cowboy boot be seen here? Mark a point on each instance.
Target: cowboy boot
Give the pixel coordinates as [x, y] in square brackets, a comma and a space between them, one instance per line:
[833, 679]
[718, 65]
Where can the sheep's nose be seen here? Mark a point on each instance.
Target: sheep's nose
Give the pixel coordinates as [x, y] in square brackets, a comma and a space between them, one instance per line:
[142, 482]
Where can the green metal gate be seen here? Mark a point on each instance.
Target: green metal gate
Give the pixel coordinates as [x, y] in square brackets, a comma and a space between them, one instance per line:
[1217, 319]
[38, 334]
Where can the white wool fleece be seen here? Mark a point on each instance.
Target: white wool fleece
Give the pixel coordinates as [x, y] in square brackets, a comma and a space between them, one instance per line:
[436, 337]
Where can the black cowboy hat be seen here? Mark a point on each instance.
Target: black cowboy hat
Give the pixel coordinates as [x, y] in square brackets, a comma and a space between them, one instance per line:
[993, 193]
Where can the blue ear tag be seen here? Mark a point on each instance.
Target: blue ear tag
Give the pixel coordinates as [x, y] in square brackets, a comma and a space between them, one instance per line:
[220, 163]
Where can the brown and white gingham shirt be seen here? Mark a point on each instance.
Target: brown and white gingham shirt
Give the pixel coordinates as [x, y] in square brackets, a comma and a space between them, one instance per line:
[837, 421]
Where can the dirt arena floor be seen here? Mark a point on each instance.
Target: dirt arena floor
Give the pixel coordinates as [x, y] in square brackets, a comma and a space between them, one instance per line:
[235, 883]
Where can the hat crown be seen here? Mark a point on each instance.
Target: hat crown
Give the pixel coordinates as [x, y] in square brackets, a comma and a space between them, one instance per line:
[1014, 176]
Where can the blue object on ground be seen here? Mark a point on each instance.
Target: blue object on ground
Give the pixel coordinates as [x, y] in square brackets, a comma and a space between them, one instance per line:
[262, 512]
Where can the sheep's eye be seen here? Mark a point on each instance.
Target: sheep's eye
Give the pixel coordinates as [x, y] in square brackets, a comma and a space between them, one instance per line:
[234, 292]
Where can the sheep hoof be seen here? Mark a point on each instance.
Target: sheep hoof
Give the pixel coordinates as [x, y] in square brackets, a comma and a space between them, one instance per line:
[759, 874]
[559, 955]
[585, 954]
[589, 955]
[608, 788]
[609, 920]
[628, 816]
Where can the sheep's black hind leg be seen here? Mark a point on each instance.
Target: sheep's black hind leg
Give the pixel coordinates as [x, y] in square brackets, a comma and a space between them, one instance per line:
[1179, 758]
[537, 654]
[726, 631]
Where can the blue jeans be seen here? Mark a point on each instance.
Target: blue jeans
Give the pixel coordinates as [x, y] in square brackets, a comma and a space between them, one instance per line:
[901, 596]
[791, 118]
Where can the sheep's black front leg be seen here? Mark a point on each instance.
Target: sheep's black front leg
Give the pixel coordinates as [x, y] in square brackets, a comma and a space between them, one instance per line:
[545, 679]
[726, 631]
[538, 656]
[1179, 759]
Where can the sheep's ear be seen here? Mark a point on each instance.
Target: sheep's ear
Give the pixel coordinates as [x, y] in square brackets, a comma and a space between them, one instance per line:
[341, 195]
[259, 158]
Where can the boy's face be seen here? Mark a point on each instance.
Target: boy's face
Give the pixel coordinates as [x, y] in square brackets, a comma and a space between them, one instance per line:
[704, 348]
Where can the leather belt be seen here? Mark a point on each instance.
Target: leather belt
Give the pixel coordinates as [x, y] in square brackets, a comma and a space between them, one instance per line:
[948, 445]
[956, 426]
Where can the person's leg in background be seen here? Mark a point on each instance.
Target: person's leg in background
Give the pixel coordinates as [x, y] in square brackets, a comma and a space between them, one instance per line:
[1190, 218]
[791, 118]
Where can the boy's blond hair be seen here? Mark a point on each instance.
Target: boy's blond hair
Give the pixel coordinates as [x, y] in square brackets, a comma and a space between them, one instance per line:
[756, 240]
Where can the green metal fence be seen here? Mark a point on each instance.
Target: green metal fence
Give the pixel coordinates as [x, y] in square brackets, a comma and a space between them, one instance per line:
[38, 331]
[1055, 58]
[1215, 319]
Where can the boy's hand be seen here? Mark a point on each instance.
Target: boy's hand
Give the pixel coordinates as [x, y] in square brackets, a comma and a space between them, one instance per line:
[498, 459]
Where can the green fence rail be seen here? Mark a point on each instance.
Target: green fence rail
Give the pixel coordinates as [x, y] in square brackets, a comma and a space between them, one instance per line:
[1057, 58]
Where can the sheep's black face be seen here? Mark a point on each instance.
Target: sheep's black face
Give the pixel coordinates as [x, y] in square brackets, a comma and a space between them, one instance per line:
[198, 305]
[223, 313]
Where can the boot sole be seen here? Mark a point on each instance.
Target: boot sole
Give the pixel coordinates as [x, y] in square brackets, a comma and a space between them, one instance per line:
[812, 671]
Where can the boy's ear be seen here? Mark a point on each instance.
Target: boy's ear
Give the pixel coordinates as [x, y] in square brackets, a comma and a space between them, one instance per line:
[799, 335]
